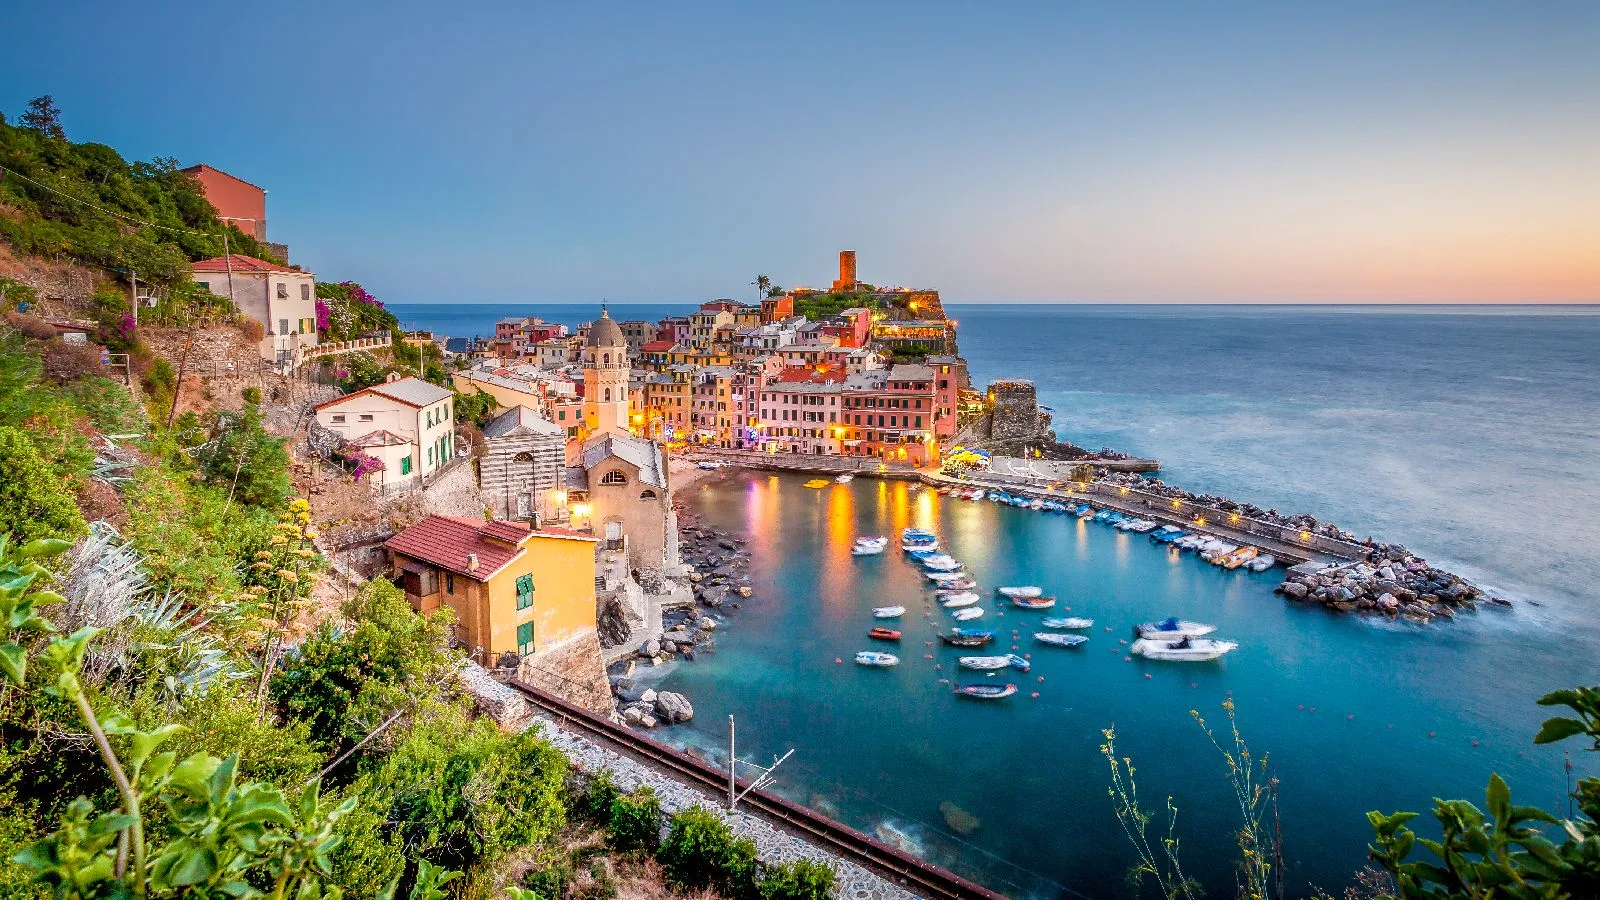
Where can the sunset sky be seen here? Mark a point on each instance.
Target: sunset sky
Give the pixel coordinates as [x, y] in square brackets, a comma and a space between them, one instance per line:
[1075, 152]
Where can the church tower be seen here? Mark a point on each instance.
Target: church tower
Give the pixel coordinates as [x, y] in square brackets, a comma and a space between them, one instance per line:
[605, 378]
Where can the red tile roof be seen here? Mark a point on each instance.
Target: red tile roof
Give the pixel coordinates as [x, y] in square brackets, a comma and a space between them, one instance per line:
[241, 264]
[656, 347]
[808, 375]
[445, 541]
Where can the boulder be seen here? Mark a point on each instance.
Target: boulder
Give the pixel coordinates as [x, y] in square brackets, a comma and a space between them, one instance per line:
[651, 647]
[669, 647]
[707, 624]
[1295, 590]
[648, 697]
[674, 707]
[1388, 602]
[744, 590]
[647, 721]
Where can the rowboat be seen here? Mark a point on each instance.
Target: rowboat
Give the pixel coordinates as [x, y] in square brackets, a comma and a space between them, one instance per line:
[960, 584]
[1263, 562]
[941, 565]
[888, 612]
[1183, 649]
[963, 637]
[884, 634]
[986, 691]
[874, 658]
[959, 599]
[1069, 623]
[866, 550]
[1033, 602]
[945, 577]
[967, 613]
[1059, 640]
[846, 478]
[1172, 628]
[988, 663]
[1025, 591]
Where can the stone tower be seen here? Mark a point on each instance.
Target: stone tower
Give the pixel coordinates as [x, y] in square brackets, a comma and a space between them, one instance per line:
[847, 271]
[605, 378]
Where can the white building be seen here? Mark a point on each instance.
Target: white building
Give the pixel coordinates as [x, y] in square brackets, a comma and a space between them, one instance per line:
[405, 422]
[282, 299]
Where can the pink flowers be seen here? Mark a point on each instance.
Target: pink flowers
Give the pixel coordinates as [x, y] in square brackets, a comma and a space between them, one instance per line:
[359, 294]
[364, 464]
[322, 315]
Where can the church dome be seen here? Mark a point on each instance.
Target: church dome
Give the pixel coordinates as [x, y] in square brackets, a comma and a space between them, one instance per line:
[605, 333]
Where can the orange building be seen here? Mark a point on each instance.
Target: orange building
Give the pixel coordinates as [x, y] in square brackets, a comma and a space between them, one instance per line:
[237, 201]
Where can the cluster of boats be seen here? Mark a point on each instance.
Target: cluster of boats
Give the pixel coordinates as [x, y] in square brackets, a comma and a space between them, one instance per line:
[1216, 551]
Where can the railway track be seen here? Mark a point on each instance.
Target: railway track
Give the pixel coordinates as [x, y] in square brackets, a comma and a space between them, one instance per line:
[888, 862]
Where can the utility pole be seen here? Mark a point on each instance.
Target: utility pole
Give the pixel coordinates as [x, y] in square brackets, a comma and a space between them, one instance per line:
[760, 781]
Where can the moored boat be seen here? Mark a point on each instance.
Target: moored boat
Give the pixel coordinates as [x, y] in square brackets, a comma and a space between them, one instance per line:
[1172, 628]
[845, 478]
[875, 658]
[1033, 602]
[967, 613]
[960, 584]
[986, 691]
[1263, 562]
[884, 634]
[1183, 649]
[1023, 591]
[943, 577]
[867, 550]
[966, 637]
[888, 612]
[1069, 623]
[959, 599]
[1240, 557]
[1059, 640]
[941, 565]
[983, 663]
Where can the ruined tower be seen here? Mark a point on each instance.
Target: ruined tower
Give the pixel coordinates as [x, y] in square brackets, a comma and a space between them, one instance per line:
[847, 271]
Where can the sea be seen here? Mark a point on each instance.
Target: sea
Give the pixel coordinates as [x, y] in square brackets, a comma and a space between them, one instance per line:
[1470, 434]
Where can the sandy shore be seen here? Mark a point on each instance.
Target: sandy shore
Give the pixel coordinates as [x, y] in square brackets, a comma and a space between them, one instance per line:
[683, 473]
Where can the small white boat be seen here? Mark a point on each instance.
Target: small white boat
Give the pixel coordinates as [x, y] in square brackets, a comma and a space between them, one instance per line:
[984, 663]
[1263, 562]
[876, 540]
[967, 614]
[944, 577]
[1171, 629]
[1026, 591]
[846, 478]
[941, 565]
[709, 464]
[938, 559]
[876, 658]
[931, 545]
[1069, 623]
[888, 612]
[955, 601]
[909, 533]
[1059, 640]
[867, 550]
[1183, 649]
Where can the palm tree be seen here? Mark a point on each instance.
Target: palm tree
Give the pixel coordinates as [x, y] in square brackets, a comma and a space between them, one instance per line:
[763, 284]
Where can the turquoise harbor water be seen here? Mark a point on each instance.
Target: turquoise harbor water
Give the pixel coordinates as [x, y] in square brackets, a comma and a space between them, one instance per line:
[1472, 435]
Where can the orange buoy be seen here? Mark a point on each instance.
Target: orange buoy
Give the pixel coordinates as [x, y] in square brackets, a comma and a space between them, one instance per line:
[1147, 674]
[837, 660]
[1035, 695]
[1041, 677]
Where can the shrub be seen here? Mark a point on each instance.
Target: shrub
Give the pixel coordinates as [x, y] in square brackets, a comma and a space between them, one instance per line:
[34, 502]
[30, 326]
[802, 879]
[246, 461]
[595, 802]
[701, 852]
[65, 362]
[634, 822]
[251, 395]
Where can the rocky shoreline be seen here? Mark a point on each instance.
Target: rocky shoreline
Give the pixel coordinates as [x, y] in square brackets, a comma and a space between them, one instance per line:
[719, 570]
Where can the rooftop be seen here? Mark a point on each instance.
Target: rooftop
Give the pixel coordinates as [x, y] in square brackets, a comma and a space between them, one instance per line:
[242, 265]
[520, 417]
[410, 391]
[448, 541]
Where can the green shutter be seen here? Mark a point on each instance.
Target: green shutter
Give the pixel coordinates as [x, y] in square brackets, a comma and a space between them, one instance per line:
[525, 638]
[405, 465]
[524, 591]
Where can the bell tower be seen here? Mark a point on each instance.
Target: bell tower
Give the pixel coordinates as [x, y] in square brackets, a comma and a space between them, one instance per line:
[605, 378]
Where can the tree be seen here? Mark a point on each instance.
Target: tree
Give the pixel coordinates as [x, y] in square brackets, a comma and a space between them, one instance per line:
[243, 459]
[44, 117]
[763, 285]
[34, 502]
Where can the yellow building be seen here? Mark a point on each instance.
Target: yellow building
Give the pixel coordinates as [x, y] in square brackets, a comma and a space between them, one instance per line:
[514, 590]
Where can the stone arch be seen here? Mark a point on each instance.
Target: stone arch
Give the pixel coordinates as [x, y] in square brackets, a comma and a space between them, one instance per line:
[524, 456]
[647, 494]
[608, 395]
[607, 363]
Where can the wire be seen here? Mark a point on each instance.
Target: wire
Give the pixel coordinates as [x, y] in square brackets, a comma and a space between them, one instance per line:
[101, 209]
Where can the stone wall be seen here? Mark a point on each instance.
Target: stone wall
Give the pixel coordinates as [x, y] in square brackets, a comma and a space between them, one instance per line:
[1014, 410]
[574, 671]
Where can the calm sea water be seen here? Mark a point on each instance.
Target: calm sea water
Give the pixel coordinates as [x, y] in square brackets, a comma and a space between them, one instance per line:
[1469, 434]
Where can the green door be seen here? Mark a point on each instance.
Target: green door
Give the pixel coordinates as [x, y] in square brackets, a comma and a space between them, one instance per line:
[525, 639]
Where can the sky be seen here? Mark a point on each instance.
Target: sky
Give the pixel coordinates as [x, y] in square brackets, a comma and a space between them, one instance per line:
[1068, 152]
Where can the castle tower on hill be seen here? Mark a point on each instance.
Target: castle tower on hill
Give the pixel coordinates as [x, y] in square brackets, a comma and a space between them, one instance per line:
[605, 378]
[847, 271]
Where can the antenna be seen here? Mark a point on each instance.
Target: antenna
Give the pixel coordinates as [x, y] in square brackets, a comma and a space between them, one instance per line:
[760, 781]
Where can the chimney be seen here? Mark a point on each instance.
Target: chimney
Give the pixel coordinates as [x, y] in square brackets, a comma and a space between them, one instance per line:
[472, 562]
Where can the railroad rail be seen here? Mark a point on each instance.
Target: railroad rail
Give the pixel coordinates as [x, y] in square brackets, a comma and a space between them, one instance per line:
[888, 862]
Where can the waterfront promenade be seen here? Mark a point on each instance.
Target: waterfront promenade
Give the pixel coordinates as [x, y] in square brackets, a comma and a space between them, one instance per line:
[1289, 546]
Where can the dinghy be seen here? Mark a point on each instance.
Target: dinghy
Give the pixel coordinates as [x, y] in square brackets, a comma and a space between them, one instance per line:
[1026, 591]
[986, 691]
[961, 584]
[941, 565]
[1183, 649]
[846, 478]
[1033, 602]
[983, 663]
[884, 634]
[866, 550]
[967, 613]
[945, 577]
[888, 612]
[1263, 562]
[1059, 640]
[874, 658]
[1070, 622]
[966, 637]
[1172, 628]
[957, 600]
[876, 540]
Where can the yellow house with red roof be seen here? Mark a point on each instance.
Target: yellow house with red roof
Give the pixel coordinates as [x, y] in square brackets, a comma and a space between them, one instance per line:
[515, 591]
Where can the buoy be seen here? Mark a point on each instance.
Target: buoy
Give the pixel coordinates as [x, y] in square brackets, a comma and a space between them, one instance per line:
[1193, 685]
[938, 666]
[1108, 627]
[1474, 742]
[1147, 674]
[944, 681]
[1122, 640]
[1313, 709]
[1127, 659]
[1027, 656]
[1300, 706]
[837, 660]
[1035, 695]
[927, 656]
[1350, 717]
[1041, 677]
[1431, 734]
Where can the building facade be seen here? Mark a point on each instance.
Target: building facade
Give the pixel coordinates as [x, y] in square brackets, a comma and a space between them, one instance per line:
[522, 471]
[282, 299]
[413, 410]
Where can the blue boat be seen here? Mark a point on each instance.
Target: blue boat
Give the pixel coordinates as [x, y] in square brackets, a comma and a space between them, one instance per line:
[921, 554]
[1018, 663]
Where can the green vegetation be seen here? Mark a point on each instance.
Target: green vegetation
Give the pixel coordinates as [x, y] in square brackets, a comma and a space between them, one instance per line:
[84, 201]
[817, 307]
[701, 852]
[246, 461]
[346, 310]
[30, 494]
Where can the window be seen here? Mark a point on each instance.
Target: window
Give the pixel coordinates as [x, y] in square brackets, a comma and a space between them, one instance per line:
[608, 395]
[449, 582]
[338, 418]
[614, 477]
[365, 417]
[204, 284]
[405, 465]
[283, 291]
[524, 592]
[305, 291]
[307, 325]
[430, 456]
[525, 639]
[283, 326]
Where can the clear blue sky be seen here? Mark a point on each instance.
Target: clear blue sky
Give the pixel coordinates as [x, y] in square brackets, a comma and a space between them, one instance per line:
[1273, 151]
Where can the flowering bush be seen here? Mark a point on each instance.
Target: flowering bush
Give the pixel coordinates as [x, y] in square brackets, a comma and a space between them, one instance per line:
[363, 464]
[322, 315]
